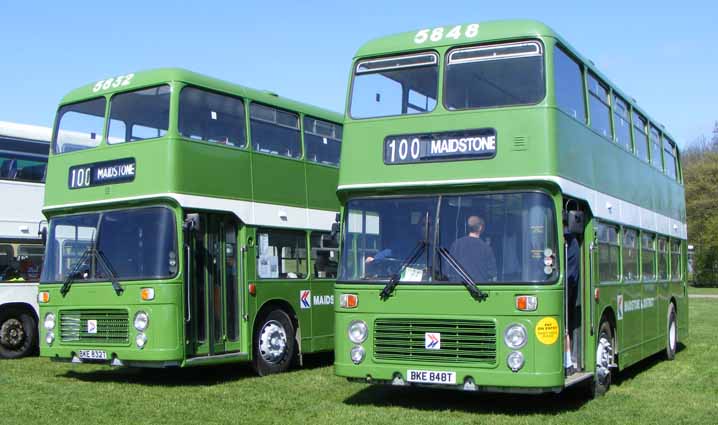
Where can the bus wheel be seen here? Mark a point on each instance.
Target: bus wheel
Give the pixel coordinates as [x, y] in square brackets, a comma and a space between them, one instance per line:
[672, 334]
[18, 334]
[274, 344]
[604, 353]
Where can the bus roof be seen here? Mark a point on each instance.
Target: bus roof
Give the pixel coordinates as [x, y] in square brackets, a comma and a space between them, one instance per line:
[152, 77]
[493, 31]
[25, 131]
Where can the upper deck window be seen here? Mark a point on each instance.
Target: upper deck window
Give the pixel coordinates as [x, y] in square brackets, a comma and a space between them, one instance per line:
[322, 141]
[212, 117]
[656, 159]
[79, 126]
[275, 131]
[497, 75]
[398, 85]
[568, 83]
[139, 115]
[669, 157]
[22, 160]
[640, 127]
[599, 102]
[621, 119]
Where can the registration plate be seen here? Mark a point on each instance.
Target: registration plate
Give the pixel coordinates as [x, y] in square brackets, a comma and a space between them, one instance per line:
[431, 376]
[93, 355]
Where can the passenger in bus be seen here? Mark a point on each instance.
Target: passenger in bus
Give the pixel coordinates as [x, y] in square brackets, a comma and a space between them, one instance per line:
[473, 254]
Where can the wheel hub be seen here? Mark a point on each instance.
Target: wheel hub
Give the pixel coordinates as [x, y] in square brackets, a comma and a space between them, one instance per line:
[272, 341]
[672, 335]
[12, 334]
[604, 352]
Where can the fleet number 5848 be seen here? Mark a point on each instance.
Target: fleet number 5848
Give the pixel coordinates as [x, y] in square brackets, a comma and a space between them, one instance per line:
[438, 33]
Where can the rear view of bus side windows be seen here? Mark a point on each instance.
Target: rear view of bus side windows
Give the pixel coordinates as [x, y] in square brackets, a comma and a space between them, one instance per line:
[636, 255]
[610, 115]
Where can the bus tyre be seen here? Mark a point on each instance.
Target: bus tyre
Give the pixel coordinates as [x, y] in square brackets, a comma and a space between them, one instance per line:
[672, 333]
[604, 354]
[274, 344]
[18, 334]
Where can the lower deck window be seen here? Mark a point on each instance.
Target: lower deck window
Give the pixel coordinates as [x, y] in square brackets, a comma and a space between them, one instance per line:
[608, 253]
[281, 254]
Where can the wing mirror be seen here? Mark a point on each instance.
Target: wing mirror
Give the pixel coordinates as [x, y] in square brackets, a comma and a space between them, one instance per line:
[575, 222]
[191, 222]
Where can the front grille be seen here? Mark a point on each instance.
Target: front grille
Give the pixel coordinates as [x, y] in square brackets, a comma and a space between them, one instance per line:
[112, 326]
[461, 340]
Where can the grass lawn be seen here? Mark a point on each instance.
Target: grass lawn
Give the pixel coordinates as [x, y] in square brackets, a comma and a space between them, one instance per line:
[702, 291]
[37, 391]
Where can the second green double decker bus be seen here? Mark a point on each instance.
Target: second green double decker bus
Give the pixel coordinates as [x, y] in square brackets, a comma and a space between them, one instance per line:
[511, 221]
[188, 224]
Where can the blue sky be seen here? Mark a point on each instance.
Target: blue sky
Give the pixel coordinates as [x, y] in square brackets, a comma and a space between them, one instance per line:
[666, 56]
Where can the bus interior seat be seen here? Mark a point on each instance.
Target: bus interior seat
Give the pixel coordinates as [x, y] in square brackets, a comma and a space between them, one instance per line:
[8, 169]
[35, 173]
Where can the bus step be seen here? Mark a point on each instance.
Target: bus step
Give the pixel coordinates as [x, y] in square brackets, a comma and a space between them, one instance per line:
[576, 378]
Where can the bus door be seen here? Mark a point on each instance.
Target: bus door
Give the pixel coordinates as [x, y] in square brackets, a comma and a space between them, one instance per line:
[212, 301]
[578, 281]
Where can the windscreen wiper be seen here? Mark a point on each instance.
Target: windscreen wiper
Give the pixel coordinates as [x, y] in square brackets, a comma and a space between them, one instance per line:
[396, 277]
[465, 278]
[75, 272]
[101, 258]
[105, 262]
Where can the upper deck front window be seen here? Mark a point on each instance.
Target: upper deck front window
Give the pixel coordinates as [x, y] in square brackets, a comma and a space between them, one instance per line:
[138, 115]
[399, 85]
[79, 126]
[493, 76]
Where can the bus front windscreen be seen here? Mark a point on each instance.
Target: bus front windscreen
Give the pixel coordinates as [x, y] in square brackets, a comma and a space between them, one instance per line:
[397, 85]
[136, 244]
[498, 238]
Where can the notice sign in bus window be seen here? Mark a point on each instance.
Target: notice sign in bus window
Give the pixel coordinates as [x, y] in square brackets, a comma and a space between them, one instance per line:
[446, 146]
[99, 173]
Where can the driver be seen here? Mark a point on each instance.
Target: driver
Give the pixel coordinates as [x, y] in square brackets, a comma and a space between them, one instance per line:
[473, 254]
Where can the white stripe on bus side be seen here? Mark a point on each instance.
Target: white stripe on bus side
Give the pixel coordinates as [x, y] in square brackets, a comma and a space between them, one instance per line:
[251, 213]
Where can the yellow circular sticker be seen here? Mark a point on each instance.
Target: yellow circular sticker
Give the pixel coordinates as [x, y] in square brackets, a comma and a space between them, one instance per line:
[547, 330]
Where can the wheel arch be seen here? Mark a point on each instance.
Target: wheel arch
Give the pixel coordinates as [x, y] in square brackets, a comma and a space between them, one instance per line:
[21, 307]
[279, 304]
[609, 315]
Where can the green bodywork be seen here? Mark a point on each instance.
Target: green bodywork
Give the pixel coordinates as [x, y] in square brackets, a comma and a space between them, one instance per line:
[168, 168]
[538, 147]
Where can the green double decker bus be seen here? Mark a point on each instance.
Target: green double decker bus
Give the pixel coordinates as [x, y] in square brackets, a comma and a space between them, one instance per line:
[511, 220]
[189, 223]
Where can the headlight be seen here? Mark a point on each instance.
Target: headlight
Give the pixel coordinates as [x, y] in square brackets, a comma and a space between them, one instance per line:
[141, 340]
[357, 354]
[515, 336]
[50, 338]
[142, 320]
[50, 321]
[357, 331]
[515, 361]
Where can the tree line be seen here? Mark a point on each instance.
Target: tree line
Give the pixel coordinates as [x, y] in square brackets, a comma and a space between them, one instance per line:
[700, 176]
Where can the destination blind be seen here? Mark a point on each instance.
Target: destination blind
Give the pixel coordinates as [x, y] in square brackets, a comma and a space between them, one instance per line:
[445, 146]
[99, 173]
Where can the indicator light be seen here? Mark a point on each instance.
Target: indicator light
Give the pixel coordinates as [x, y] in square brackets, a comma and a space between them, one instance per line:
[349, 301]
[147, 294]
[526, 302]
